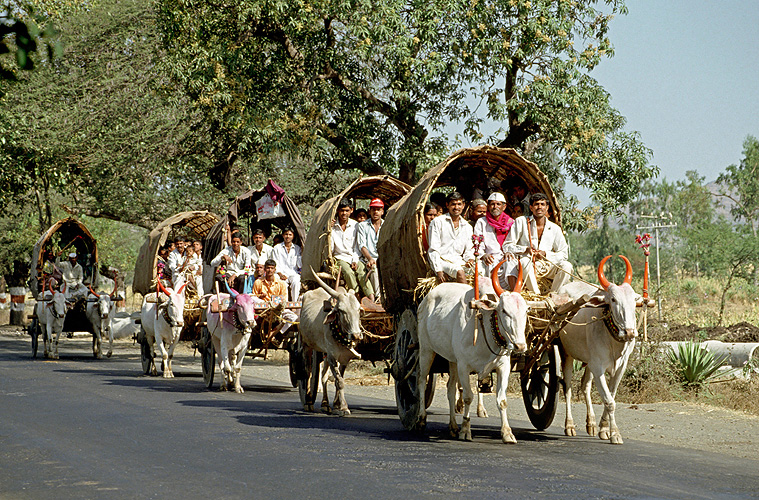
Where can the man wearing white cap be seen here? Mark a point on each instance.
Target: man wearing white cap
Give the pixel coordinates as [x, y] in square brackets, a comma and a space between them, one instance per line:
[367, 235]
[73, 276]
[494, 228]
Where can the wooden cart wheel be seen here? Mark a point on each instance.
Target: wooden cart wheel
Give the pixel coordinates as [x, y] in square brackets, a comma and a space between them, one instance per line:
[405, 370]
[146, 353]
[540, 388]
[207, 357]
[34, 331]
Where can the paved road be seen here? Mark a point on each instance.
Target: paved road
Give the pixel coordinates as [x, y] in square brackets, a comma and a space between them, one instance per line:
[80, 428]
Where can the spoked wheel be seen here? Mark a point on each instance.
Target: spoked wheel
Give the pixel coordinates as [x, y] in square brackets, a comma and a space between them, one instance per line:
[405, 370]
[540, 387]
[207, 358]
[146, 353]
[34, 331]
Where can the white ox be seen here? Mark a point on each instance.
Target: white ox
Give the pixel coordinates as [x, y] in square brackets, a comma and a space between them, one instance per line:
[230, 332]
[163, 323]
[99, 314]
[329, 324]
[447, 327]
[50, 313]
[603, 340]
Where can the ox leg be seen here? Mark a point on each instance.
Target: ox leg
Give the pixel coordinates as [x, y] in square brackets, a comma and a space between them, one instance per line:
[110, 342]
[500, 394]
[324, 380]
[238, 362]
[96, 339]
[227, 371]
[481, 411]
[567, 374]
[151, 344]
[466, 424]
[426, 357]
[47, 341]
[460, 401]
[313, 380]
[608, 428]
[590, 416]
[55, 349]
[164, 357]
[217, 347]
[341, 406]
[453, 384]
[172, 346]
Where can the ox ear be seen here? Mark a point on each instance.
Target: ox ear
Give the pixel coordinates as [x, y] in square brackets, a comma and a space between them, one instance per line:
[331, 316]
[328, 305]
[485, 304]
[597, 301]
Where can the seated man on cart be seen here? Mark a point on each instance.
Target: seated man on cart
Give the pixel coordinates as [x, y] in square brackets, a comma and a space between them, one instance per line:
[450, 238]
[269, 288]
[345, 251]
[288, 257]
[236, 258]
[493, 228]
[540, 245]
[73, 278]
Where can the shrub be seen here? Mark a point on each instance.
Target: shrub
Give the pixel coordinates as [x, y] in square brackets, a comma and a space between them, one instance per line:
[693, 366]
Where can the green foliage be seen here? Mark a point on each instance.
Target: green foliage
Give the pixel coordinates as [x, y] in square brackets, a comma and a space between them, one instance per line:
[694, 366]
[742, 184]
[372, 85]
[22, 31]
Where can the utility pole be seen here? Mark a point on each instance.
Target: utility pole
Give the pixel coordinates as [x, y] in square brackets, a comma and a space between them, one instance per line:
[661, 221]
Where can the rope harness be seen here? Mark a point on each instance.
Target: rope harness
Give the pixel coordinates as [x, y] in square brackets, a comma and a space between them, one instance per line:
[496, 333]
[338, 333]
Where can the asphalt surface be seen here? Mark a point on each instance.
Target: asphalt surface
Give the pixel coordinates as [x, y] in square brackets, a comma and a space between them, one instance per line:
[84, 428]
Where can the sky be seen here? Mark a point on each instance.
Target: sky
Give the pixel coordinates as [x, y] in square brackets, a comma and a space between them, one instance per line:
[685, 74]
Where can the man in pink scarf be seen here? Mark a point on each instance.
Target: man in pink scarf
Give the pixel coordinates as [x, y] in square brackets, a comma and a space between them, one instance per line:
[493, 228]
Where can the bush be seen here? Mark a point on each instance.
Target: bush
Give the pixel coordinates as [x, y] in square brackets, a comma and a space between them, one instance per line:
[693, 366]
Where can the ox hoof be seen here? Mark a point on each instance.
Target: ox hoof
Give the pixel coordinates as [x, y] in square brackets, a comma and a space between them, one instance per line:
[482, 412]
[460, 406]
[570, 430]
[591, 429]
[508, 437]
[453, 431]
[309, 408]
[604, 434]
[325, 408]
[343, 413]
[239, 390]
[110, 353]
[466, 435]
[421, 425]
[616, 438]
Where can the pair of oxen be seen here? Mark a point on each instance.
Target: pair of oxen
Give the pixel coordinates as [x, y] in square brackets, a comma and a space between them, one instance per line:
[51, 314]
[601, 336]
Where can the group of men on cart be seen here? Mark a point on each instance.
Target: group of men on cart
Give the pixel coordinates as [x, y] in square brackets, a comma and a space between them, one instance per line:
[532, 239]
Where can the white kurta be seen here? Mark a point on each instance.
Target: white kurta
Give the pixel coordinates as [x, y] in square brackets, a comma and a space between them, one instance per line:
[239, 261]
[450, 248]
[553, 243]
[73, 277]
[344, 242]
[490, 246]
[264, 254]
[289, 263]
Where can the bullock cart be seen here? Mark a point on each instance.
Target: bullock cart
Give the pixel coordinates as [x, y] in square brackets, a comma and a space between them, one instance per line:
[246, 214]
[403, 267]
[192, 224]
[376, 323]
[65, 236]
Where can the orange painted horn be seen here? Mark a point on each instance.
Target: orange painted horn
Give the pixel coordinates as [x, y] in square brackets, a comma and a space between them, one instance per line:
[518, 285]
[181, 288]
[161, 288]
[629, 271]
[93, 291]
[601, 278]
[494, 278]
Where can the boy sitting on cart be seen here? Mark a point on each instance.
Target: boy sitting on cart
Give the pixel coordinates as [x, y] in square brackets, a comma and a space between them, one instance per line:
[270, 289]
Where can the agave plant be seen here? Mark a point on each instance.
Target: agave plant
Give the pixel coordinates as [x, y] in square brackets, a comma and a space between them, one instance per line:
[694, 366]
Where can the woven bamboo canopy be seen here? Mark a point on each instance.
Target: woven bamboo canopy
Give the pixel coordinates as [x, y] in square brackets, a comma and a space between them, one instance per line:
[197, 225]
[317, 252]
[402, 260]
[72, 236]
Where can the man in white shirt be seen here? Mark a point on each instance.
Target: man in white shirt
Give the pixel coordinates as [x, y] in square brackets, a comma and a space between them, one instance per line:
[367, 234]
[287, 256]
[540, 245]
[450, 237]
[73, 277]
[236, 258]
[259, 250]
[175, 261]
[494, 228]
[345, 252]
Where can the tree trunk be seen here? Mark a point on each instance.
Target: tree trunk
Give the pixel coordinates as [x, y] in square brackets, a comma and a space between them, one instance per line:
[724, 296]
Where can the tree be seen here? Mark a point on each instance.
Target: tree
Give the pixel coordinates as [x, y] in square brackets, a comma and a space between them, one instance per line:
[372, 85]
[21, 33]
[740, 184]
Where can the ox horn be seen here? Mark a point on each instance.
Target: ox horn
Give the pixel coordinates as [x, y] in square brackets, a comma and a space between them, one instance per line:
[601, 278]
[494, 278]
[628, 271]
[332, 293]
[233, 293]
[93, 292]
[520, 274]
[161, 288]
